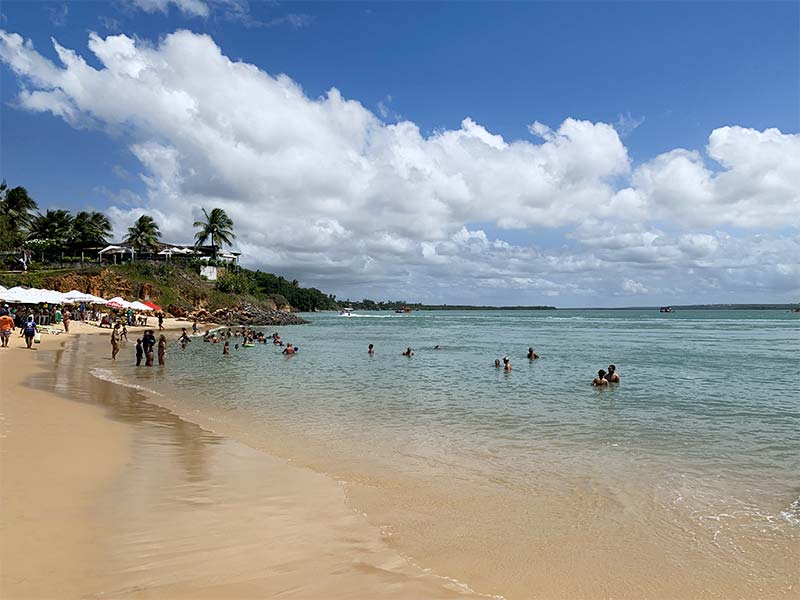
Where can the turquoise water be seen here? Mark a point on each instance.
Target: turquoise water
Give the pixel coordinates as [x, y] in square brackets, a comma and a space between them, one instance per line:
[699, 444]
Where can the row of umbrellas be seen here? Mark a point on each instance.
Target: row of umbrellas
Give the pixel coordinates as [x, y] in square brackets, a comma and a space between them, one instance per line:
[20, 295]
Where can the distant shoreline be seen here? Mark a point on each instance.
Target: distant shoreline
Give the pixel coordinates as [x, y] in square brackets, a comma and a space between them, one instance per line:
[674, 307]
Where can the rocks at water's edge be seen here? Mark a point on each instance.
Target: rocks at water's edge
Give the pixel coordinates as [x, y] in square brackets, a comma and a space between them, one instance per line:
[247, 314]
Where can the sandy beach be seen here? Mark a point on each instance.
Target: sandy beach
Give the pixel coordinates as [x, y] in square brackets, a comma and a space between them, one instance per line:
[106, 495]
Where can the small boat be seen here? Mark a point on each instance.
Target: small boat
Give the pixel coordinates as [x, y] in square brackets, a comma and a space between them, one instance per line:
[403, 309]
[346, 312]
[665, 309]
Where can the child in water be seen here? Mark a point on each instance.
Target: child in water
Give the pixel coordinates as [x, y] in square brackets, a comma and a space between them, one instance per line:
[226, 349]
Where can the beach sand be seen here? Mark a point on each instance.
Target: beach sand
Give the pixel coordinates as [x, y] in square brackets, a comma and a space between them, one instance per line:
[105, 495]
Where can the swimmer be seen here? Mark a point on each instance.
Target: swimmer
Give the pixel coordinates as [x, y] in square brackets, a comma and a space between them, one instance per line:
[506, 364]
[600, 380]
[408, 352]
[226, 349]
[497, 363]
[612, 376]
[236, 346]
[437, 347]
[371, 349]
[532, 355]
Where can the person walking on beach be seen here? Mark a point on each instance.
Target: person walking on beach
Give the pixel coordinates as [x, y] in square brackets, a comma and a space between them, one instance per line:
[161, 321]
[600, 380]
[124, 334]
[612, 376]
[139, 352]
[162, 350]
[29, 331]
[6, 327]
[115, 342]
[67, 319]
[194, 328]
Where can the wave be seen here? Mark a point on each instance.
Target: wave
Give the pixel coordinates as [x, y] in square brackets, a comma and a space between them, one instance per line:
[107, 375]
[792, 514]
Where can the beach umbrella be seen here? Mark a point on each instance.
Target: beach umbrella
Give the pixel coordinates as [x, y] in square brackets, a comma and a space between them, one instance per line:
[153, 305]
[118, 302]
[136, 305]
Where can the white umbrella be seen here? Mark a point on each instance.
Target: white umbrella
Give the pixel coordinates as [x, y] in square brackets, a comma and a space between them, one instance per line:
[136, 305]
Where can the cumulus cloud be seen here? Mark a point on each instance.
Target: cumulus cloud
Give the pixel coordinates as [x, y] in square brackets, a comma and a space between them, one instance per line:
[324, 188]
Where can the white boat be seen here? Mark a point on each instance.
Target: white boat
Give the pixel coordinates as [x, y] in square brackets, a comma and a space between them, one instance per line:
[346, 312]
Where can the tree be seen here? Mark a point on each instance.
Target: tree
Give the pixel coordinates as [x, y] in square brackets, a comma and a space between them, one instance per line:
[144, 234]
[16, 208]
[90, 229]
[55, 224]
[217, 226]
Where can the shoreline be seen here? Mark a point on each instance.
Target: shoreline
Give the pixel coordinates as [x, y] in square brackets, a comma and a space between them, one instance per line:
[148, 504]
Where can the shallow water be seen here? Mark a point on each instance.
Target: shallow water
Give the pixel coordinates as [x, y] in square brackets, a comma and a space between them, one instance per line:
[532, 483]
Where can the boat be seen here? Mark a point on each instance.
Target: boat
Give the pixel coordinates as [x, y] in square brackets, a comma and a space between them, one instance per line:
[403, 309]
[347, 311]
[665, 309]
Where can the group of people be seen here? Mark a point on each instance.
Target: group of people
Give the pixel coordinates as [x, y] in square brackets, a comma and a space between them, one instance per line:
[605, 378]
[11, 320]
[146, 346]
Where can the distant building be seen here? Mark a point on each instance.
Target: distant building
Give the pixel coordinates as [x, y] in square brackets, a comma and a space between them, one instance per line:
[122, 251]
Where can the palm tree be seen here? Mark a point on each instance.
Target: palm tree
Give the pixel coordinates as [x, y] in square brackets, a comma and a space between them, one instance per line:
[217, 226]
[144, 234]
[90, 229]
[55, 224]
[16, 208]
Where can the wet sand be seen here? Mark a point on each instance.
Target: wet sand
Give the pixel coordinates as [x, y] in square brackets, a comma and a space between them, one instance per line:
[105, 495]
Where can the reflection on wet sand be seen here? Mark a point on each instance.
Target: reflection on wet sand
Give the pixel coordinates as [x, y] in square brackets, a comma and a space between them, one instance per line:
[196, 515]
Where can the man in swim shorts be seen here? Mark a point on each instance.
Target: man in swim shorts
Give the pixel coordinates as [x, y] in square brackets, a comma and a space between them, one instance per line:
[6, 327]
[612, 376]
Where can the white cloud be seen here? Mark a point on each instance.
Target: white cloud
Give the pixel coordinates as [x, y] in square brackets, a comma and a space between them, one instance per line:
[324, 188]
[192, 8]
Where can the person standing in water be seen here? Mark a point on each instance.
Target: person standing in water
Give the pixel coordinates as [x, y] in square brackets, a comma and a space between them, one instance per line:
[497, 364]
[162, 350]
[600, 380]
[139, 352]
[506, 364]
[612, 376]
[226, 349]
[408, 352]
[148, 342]
[115, 342]
[532, 355]
[371, 349]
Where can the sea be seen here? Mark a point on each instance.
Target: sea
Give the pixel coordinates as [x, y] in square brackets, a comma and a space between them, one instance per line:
[681, 481]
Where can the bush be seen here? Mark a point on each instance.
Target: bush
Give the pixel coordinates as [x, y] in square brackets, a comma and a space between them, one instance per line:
[235, 283]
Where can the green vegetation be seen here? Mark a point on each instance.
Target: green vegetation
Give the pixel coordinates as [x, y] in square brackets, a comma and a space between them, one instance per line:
[143, 236]
[217, 227]
[367, 304]
[180, 285]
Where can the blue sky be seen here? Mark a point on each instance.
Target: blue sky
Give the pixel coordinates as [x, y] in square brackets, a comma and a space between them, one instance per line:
[665, 75]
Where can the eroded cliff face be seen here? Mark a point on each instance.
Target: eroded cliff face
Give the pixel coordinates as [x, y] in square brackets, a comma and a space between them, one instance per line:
[106, 284]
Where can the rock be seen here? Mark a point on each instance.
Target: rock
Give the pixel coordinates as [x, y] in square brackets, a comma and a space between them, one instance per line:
[248, 314]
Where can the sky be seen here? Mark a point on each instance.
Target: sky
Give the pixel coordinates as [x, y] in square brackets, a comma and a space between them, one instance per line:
[561, 153]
